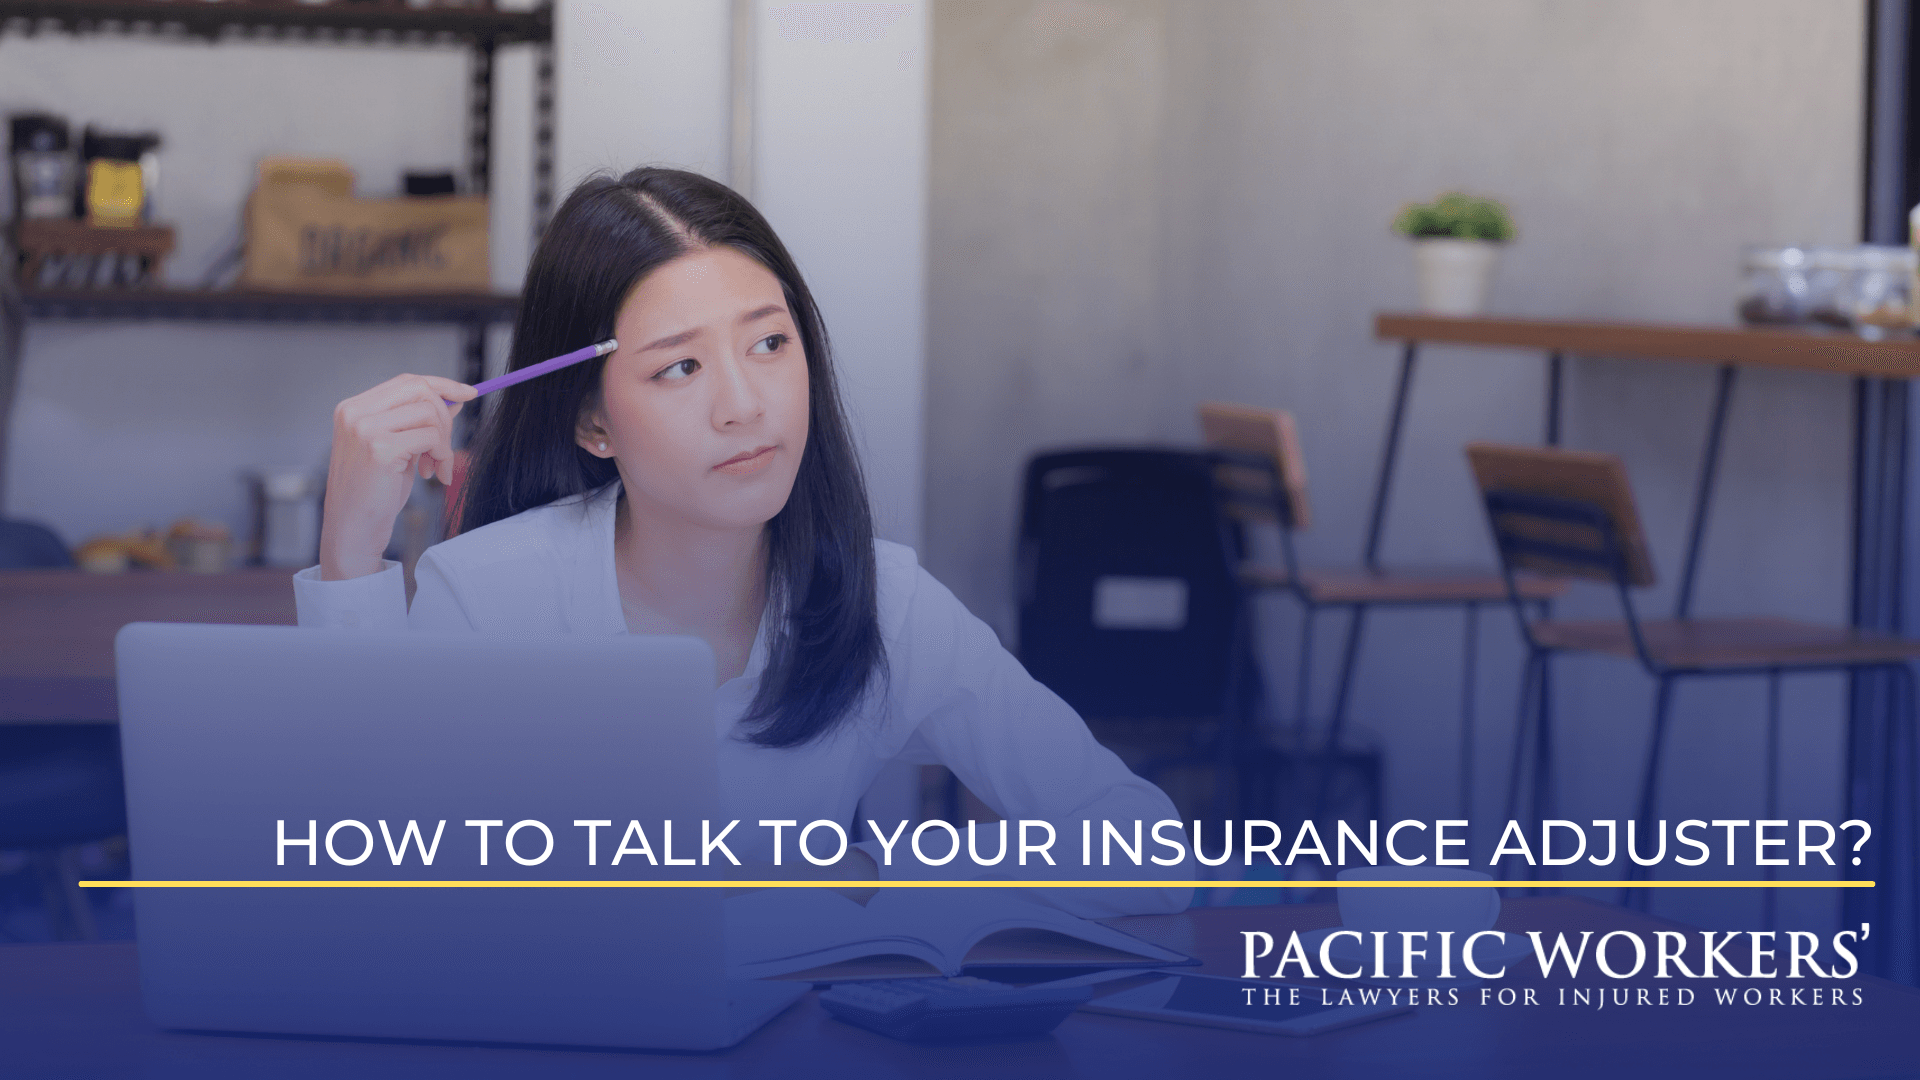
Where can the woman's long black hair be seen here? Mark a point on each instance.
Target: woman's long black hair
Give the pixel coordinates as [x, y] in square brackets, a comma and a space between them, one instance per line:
[823, 637]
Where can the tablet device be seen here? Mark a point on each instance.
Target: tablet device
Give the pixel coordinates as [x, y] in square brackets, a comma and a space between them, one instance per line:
[1212, 1001]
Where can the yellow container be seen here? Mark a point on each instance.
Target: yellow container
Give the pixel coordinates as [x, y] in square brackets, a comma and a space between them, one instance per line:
[115, 191]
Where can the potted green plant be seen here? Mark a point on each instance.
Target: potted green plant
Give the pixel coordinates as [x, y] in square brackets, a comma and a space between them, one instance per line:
[1456, 241]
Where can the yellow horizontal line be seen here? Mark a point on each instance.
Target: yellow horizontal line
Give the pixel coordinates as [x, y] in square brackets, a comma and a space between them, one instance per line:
[968, 883]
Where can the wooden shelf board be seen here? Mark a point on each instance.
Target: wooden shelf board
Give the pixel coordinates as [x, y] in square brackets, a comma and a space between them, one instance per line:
[246, 306]
[196, 18]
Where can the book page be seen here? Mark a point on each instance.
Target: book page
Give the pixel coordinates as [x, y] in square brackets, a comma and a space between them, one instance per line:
[905, 931]
[1050, 948]
[778, 931]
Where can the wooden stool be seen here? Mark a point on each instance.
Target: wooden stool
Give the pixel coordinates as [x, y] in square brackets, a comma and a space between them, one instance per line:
[1572, 512]
[1270, 434]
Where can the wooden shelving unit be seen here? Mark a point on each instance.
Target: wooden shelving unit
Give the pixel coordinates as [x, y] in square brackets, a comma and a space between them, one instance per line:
[479, 28]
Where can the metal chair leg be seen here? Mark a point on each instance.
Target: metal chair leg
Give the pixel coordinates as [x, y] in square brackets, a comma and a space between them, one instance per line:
[1906, 717]
[1349, 662]
[1769, 897]
[1543, 800]
[1469, 673]
[1524, 722]
[1872, 777]
[1303, 685]
[1236, 748]
[1881, 864]
[1663, 705]
[1543, 746]
[1330, 752]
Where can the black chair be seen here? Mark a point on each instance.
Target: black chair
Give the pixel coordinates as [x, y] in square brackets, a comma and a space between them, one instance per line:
[1572, 513]
[1133, 610]
[1129, 604]
[60, 784]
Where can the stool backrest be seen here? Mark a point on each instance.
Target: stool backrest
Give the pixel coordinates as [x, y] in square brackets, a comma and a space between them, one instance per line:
[1128, 595]
[29, 545]
[1268, 432]
[1566, 513]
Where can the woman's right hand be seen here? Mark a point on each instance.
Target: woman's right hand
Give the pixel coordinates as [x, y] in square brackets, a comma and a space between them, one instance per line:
[381, 439]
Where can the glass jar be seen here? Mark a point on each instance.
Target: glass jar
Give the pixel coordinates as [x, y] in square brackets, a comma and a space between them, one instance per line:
[43, 167]
[1774, 287]
[1880, 295]
[1831, 274]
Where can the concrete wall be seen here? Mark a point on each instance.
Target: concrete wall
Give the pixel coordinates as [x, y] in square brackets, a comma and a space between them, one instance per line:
[840, 169]
[641, 82]
[1045, 316]
[1140, 206]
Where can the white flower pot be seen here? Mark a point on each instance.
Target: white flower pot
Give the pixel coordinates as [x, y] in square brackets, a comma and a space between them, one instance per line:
[1454, 275]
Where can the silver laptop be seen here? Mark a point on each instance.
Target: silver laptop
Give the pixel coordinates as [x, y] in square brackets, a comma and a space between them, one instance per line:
[236, 738]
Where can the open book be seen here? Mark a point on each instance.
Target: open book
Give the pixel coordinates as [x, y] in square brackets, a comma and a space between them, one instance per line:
[819, 935]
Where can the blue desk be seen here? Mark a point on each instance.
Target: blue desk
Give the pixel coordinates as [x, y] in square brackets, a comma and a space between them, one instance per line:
[73, 1011]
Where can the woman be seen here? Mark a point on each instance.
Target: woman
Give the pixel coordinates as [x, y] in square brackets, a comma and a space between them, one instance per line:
[701, 480]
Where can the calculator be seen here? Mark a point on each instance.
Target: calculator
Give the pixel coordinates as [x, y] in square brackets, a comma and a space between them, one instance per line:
[961, 1009]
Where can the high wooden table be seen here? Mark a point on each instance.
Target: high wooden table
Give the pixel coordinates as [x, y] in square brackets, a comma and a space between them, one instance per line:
[57, 628]
[74, 1011]
[1889, 363]
[1881, 372]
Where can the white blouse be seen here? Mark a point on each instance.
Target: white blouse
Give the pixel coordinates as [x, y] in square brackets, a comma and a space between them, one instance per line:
[952, 696]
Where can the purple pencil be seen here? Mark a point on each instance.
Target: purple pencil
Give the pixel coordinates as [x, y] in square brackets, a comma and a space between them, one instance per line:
[534, 371]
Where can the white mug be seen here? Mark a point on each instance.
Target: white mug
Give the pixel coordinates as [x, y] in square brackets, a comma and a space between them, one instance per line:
[1463, 910]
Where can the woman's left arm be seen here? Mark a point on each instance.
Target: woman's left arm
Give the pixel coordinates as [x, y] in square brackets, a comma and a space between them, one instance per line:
[1025, 753]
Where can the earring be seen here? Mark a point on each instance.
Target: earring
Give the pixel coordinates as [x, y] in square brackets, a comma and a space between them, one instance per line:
[603, 446]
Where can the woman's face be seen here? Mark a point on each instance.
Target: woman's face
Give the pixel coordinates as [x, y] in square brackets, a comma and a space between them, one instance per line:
[704, 404]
